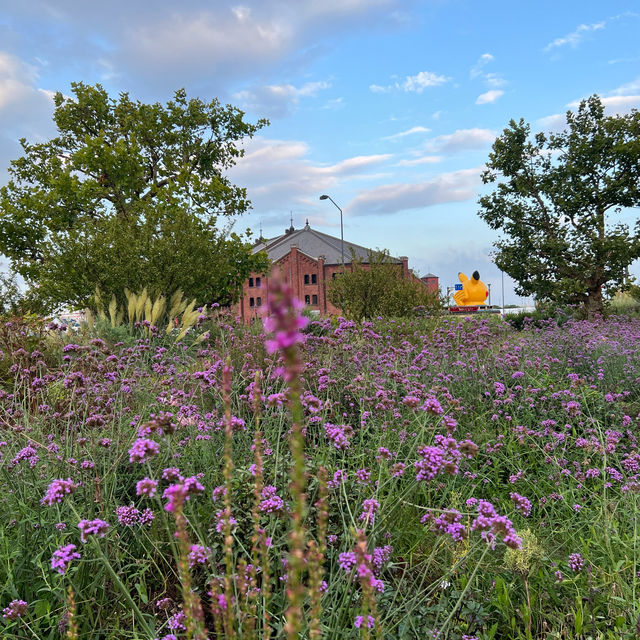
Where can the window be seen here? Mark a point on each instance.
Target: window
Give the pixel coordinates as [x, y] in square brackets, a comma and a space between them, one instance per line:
[314, 278]
[258, 283]
[251, 282]
[307, 300]
[258, 302]
[306, 278]
[334, 276]
[314, 299]
[252, 302]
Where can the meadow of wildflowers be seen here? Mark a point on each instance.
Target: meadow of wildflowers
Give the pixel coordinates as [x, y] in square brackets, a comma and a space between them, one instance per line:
[418, 478]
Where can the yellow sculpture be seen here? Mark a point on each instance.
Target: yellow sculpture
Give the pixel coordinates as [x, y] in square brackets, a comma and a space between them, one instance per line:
[474, 292]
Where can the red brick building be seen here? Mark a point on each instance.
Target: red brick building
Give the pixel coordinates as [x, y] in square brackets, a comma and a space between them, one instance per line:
[308, 259]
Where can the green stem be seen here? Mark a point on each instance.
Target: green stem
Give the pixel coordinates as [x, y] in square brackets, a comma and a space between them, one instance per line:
[123, 589]
[464, 591]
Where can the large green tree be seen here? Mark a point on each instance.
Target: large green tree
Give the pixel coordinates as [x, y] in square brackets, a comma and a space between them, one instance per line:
[129, 195]
[556, 199]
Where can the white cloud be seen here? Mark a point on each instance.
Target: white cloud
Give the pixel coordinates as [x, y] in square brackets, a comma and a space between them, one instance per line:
[422, 80]
[25, 109]
[16, 80]
[408, 132]
[277, 100]
[456, 186]
[554, 122]
[618, 102]
[574, 38]
[627, 88]
[494, 80]
[412, 84]
[476, 70]
[422, 160]
[490, 79]
[279, 173]
[462, 140]
[489, 96]
[615, 104]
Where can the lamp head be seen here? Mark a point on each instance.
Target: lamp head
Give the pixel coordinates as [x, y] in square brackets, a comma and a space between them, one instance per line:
[325, 197]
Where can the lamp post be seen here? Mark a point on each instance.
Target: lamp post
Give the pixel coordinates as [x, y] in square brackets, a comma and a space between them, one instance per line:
[326, 197]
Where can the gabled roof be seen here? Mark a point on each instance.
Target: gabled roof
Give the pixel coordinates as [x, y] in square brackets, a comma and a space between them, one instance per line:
[314, 244]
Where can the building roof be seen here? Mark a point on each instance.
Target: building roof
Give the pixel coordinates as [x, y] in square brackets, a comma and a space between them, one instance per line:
[314, 244]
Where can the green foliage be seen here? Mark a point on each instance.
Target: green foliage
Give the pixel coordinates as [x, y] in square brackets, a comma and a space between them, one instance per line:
[129, 195]
[544, 315]
[553, 202]
[11, 299]
[377, 288]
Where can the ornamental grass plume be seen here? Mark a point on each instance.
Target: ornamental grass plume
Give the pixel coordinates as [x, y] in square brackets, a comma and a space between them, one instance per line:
[284, 323]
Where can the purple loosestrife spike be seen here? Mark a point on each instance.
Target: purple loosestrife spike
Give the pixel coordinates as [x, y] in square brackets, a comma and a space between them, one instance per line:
[284, 322]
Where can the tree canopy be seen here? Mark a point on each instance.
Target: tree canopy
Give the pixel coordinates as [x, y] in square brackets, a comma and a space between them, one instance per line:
[129, 195]
[377, 288]
[555, 198]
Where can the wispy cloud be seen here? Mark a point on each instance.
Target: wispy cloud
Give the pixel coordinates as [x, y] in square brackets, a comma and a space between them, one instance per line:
[408, 132]
[412, 84]
[419, 161]
[278, 100]
[462, 140]
[489, 96]
[456, 186]
[574, 38]
[491, 79]
[477, 69]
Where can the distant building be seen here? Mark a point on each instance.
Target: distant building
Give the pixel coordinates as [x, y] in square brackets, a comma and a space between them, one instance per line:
[307, 260]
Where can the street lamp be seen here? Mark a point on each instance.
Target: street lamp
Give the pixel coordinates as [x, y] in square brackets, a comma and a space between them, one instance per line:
[326, 197]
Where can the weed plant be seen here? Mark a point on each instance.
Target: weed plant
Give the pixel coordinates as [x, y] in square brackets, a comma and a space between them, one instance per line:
[422, 478]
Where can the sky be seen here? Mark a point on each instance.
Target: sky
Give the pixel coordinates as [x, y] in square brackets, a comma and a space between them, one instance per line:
[388, 106]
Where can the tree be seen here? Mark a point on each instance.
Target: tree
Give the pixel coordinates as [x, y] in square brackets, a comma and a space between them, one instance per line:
[554, 203]
[129, 195]
[377, 288]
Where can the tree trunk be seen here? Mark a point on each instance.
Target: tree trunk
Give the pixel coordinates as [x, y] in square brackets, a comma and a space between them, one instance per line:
[594, 304]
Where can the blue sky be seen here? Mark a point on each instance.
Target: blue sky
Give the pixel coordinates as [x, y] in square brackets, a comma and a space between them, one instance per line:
[388, 106]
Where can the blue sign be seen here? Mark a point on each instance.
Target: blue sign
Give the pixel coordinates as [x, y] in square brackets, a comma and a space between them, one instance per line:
[458, 287]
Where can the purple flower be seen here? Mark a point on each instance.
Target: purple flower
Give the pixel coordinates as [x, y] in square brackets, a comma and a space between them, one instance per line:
[15, 610]
[575, 562]
[347, 560]
[284, 322]
[62, 557]
[271, 502]
[522, 504]
[222, 521]
[357, 623]
[143, 449]
[146, 487]
[175, 495]
[198, 555]
[176, 622]
[369, 509]
[128, 516]
[57, 490]
[95, 527]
